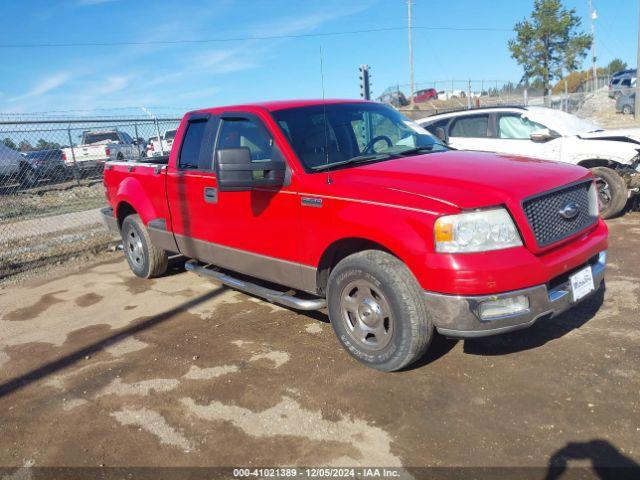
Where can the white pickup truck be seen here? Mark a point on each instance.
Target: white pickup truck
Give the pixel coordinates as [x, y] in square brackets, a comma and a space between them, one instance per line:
[99, 146]
[156, 149]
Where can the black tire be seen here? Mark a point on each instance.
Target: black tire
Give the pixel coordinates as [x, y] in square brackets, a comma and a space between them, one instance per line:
[612, 191]
[28, 177]
[398, 328]
[144, 258]
[626, 110]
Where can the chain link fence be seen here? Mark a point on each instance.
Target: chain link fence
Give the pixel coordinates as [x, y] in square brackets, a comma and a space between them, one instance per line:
[51, 182]
[443, 96]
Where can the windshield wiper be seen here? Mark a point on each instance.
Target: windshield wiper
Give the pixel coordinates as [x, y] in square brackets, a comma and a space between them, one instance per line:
[351, 161]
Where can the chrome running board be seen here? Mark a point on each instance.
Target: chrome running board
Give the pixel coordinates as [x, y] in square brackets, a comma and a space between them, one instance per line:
[268, 294]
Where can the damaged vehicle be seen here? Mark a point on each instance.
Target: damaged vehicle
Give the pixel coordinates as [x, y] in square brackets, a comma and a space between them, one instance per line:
[538, 132]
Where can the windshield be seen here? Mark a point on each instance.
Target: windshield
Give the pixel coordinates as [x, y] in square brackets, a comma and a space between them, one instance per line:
[562, 122]
[170, 134]
[100, 137]
[365, 131]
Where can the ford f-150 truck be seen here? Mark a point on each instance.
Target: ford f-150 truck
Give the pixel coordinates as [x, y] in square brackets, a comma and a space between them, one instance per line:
[349, 205]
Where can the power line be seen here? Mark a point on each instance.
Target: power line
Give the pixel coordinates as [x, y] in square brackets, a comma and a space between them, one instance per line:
[240, 39]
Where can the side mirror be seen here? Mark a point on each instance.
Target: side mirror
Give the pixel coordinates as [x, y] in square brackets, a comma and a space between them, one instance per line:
[236, 171]
[441, 134]
[542, 135]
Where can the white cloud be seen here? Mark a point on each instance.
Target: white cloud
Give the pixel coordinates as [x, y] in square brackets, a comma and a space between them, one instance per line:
[112, 84]
[226, 61]
[305, 23]
[48, 84]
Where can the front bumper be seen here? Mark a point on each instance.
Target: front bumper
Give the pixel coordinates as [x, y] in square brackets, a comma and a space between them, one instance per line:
[459, 317]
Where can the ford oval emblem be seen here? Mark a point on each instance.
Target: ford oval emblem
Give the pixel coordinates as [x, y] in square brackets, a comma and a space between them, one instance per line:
[569, 211]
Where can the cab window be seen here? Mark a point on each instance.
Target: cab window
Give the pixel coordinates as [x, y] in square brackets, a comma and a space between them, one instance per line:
[475, 126]
[516, 127]
[242, 132]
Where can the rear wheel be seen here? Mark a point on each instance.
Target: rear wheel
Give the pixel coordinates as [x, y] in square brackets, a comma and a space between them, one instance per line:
[612, 191]
[377, 311]
[144, 258]
[626, 109]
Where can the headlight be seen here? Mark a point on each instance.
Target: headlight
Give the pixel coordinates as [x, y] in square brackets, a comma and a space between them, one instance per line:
[476, 232]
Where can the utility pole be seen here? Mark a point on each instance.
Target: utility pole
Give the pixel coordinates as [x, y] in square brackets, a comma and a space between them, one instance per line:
[637, 103]
[411, 85]
[593, 15]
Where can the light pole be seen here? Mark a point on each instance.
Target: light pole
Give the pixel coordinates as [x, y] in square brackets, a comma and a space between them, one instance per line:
[411, 85]
[637, 102]
[593, 15]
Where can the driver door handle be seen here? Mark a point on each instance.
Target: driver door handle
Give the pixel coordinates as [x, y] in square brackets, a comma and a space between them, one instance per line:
[210, 194]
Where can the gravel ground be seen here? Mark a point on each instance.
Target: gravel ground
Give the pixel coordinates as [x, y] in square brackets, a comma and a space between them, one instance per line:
[100, 369]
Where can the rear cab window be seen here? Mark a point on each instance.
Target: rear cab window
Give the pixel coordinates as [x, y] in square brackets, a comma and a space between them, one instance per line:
[195, 151]
[473, 126]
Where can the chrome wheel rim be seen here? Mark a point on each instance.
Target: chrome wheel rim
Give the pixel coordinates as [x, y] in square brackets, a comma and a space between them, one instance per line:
[134, 248]
[604, 193]
[366, 315]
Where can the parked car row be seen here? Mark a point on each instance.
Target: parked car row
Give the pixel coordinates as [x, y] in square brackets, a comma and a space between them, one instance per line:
[95, 148]
[28, 168]
[544, 133]
[622, 83]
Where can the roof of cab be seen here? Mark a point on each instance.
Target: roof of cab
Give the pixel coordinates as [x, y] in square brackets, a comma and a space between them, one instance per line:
[275, 105]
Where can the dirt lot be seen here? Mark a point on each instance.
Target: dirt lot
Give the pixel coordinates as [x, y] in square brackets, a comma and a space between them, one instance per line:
[99, 368]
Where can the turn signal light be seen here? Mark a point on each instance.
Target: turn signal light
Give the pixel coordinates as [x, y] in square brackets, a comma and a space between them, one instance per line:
[444, 232]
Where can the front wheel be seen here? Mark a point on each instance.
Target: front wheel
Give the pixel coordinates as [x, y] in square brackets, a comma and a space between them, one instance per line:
[377, 310]
[144, 258]
[612, 191]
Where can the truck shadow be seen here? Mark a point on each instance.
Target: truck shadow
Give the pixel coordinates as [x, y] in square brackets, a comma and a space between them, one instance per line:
[607, 463]
[543, 331]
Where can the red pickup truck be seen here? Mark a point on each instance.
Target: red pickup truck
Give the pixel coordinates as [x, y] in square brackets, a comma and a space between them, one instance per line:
[351, 206]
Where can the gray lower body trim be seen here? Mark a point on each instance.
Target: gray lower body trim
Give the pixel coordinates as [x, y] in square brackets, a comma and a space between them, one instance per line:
[458, 317]
[282, 272]
[159, 235]
[109, 220]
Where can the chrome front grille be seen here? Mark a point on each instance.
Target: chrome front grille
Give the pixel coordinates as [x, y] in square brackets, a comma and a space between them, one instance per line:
[558, 214]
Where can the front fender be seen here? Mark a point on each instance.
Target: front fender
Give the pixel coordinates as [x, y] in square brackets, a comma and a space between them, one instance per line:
[577, 150]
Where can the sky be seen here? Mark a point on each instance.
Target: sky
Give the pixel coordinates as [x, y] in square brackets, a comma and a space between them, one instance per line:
[178, 77]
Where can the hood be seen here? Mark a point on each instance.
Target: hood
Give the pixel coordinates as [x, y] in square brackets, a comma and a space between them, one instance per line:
[449, 181]
[631, 135]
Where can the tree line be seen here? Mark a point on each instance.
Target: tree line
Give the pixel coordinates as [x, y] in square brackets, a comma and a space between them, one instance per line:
[25, 145]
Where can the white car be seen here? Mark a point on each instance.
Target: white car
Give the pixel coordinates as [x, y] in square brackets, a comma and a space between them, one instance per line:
[11, 163]
[155, 149]
[539, 132]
